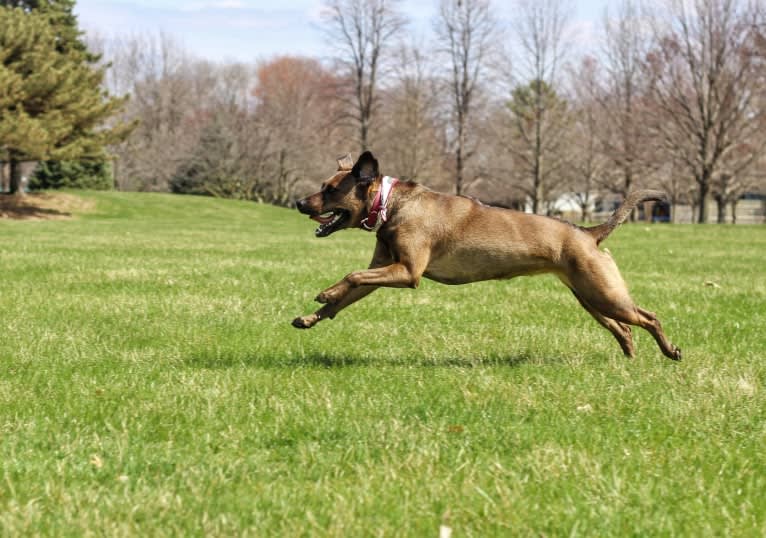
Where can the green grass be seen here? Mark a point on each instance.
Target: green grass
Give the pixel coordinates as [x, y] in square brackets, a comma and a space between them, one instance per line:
[151, 385]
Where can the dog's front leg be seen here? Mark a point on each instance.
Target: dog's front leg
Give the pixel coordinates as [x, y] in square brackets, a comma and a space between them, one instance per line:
[396, 275]
[329, 311]
[380, 258]
[405, 273]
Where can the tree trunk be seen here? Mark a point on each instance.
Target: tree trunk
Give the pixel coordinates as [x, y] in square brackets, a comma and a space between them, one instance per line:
[721, 209]
[363, 129]
[537, 200]
[17, 180]
[459, 171]
[734, 210]
[459, 164]
[627, 186]
[3, 176]
[702, 201]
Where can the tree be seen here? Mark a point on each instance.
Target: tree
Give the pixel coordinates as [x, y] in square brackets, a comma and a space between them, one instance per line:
[51, 104]
[69, 38]
[705, 85]
[297, 114]
[172, 95]
[539, 117]
[94, 175]
[466, 31]
[218, 167]
[60, 14]
[586, 162]
[736, 176]
[624, 138]
[361, 31]
[412, 141]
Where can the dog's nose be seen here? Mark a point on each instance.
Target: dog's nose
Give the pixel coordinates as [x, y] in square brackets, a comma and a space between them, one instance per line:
[301, 205]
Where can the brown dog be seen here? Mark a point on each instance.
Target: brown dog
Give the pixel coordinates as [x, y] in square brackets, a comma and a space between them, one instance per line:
[456, 240]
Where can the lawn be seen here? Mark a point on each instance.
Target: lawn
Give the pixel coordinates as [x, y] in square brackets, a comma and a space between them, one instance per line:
[151, 385]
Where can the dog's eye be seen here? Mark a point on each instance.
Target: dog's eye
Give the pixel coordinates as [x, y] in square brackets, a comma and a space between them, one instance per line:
[330, 190]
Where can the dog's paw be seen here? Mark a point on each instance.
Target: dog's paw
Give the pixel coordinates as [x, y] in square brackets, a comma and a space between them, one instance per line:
[676, 353]
[305, 322]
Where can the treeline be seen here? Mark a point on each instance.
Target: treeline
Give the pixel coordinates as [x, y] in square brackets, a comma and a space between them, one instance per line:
[671, 95]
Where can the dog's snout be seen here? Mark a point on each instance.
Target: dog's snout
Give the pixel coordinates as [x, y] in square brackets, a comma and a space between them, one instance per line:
[301, 205]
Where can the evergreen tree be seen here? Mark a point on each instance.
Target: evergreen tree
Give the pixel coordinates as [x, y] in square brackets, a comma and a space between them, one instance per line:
[60, 14]
[94, 175]
[51, 103]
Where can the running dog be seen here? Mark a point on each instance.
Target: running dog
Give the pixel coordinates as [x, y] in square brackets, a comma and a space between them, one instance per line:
[457, 240]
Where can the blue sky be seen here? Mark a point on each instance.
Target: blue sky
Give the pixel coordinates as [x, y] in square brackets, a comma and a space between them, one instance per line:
[248, 30]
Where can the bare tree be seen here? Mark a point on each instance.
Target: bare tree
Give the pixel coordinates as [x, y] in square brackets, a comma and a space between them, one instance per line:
[296, 113]
[587, 164]
[624, 138]
[539, 115]
[727, 187]
[412, 142]
[466, 32]
[361, 32]
[704, 85]
[227, 159]
[159, 76]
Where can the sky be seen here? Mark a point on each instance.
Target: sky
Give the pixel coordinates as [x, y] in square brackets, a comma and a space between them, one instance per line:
[250, 30]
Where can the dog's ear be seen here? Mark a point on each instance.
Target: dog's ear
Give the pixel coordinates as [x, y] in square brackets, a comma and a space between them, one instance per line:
[345, 162]
[366, 168]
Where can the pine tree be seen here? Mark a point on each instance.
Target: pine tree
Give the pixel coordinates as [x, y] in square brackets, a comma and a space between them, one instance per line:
[60, 14]
[94, 175]
[51, 103]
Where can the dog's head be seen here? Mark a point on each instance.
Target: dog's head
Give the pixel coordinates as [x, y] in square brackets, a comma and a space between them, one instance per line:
[342, 201]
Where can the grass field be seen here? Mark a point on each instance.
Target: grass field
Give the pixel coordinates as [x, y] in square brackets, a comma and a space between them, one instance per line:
[151, 385]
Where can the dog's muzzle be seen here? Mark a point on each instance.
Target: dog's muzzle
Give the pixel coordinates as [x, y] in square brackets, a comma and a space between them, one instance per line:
[329, 221]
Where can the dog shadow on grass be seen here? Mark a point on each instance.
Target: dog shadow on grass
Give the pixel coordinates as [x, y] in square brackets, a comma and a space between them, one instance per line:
[341, 360]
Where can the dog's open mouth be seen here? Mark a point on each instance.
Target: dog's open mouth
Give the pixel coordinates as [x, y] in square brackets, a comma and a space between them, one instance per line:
[330, 222]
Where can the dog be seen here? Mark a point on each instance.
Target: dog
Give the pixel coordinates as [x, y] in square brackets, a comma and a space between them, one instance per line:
[457, 240]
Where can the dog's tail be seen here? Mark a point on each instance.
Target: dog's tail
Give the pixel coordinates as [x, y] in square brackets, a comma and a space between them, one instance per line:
[601, 231]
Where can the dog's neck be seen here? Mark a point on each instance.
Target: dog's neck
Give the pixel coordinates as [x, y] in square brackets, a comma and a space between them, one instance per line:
[377, 215]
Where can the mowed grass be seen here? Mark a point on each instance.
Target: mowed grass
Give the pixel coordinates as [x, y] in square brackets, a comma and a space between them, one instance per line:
[151, 385]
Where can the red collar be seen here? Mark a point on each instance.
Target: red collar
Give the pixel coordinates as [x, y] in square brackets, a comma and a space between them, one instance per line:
[378, 212]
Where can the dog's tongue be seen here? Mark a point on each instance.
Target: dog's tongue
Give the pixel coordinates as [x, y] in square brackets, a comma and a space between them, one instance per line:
[323, 220]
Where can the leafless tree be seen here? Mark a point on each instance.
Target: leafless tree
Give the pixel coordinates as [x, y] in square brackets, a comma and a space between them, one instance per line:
[703, 87]
[625, 139]
[295, 111]
[159, 76]
[727, 187]
[671, 177]
[412, 135]
[362, 32]
[587, 163]
[466, 32]
[539, 114]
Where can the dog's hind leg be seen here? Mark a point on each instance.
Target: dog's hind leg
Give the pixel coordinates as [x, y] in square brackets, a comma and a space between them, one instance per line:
[598, 283]
[623, 310]
[380, 258]
[620, 331]
[649, 321]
